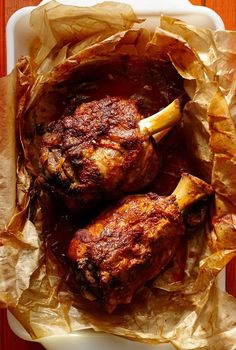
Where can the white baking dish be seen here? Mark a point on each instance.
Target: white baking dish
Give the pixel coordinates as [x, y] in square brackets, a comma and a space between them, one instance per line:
[19, 36]
[19, 33]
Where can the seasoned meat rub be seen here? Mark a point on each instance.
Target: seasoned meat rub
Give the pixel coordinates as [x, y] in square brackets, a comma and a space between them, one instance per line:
[132, 242]
[99, 151]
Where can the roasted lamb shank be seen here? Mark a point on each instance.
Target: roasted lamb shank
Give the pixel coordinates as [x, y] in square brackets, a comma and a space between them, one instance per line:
[131, 243]
[103, 150]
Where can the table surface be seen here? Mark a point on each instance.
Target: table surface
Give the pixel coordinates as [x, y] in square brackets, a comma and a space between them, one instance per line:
[227, 10]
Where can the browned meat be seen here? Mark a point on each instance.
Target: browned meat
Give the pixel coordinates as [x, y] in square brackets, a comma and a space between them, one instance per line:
[100, 151]
[131, 243]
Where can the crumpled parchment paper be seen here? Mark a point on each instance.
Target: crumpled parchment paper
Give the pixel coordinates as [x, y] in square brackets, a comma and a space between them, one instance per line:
[194, 314]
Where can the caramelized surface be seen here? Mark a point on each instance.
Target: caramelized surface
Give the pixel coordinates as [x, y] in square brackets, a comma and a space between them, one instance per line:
[152, 85]
[98, 152]
[60, 226]
[126, 246]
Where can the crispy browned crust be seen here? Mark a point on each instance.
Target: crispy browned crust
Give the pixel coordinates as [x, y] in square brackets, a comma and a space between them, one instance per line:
[98, 150]
[126, 246]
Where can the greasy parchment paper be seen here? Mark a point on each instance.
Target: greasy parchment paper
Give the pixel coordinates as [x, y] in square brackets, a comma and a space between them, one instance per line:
[194, 314]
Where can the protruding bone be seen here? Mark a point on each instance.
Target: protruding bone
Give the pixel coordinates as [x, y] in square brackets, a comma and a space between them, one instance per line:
[190, 189]
[164, 119]
[159, 135]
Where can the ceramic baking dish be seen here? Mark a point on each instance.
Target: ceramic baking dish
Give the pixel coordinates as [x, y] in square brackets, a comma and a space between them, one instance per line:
[18, 38]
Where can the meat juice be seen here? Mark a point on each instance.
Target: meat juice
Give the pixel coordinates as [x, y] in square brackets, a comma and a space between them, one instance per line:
[153, 84]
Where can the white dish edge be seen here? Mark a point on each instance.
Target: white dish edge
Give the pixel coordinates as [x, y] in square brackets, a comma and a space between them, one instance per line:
[170, 7]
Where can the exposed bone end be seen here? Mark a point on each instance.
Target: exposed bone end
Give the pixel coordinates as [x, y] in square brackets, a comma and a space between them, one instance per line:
[159, 135]
[190, 189]
[164, 119]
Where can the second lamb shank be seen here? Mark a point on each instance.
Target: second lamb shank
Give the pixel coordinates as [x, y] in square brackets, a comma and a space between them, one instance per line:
[131, 243]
